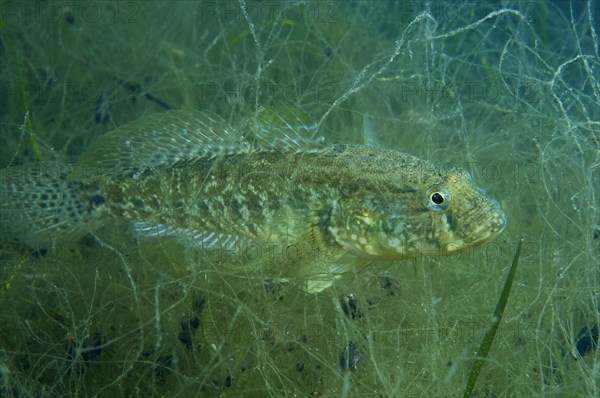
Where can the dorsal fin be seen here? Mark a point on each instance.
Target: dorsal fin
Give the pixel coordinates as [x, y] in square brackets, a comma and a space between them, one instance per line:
[284, 128]
[162, 139]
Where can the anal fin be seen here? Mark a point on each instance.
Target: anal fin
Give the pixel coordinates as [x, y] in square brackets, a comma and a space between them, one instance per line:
[206, 240]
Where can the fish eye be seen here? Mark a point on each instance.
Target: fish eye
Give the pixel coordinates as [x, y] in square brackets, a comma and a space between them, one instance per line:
[438, 199]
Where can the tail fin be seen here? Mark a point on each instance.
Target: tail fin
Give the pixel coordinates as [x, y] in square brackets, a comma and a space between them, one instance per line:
[43, 203]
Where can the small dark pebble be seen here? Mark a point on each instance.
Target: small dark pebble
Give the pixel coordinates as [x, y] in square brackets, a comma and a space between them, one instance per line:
[185, 323]
[186, 339]
[199, 305]
[195, 323]
[228, 381]
[40, 252]
[350, 306]
[389, 284]
[188, 324]
[349, 357]
[162, 369]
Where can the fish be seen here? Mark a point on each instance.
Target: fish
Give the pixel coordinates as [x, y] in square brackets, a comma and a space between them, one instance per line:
[268, 182]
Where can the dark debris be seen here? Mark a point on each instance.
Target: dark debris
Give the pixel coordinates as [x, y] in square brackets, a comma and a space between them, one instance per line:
[192, 322]
[350, 306]
[389, 284]
[349, 357]
[228, 381]
[162, 369]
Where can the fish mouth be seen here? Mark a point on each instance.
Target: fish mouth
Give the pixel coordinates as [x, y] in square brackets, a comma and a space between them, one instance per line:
[496, 224]
[485, 232]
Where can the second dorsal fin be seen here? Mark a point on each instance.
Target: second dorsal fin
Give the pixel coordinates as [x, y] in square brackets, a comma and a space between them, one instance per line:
[284, 128]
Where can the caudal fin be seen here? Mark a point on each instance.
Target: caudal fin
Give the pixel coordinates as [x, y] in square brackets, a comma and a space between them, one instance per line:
[44, 203]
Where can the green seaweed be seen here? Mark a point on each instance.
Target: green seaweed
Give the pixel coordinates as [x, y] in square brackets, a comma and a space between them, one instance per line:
[27, 125]
[488, 339]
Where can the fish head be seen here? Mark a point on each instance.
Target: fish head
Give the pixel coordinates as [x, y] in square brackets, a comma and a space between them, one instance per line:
[462, 215]
[443, 213]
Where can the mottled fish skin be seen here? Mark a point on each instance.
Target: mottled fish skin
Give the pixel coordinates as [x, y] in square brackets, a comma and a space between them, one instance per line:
[372, 202]
[186, 173]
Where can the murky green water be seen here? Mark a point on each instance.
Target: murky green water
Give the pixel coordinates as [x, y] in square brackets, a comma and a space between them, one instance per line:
[511, 94]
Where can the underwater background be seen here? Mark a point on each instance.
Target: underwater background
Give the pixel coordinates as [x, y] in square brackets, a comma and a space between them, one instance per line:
[508, 90]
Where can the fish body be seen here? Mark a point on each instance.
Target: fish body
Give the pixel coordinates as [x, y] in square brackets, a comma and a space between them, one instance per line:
[188, 174]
